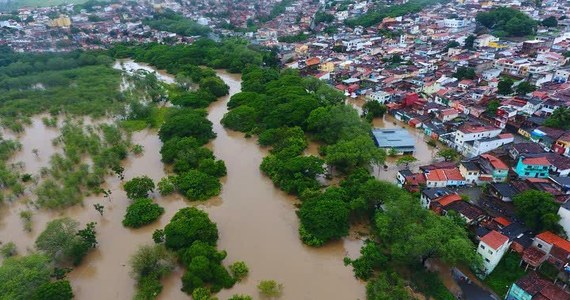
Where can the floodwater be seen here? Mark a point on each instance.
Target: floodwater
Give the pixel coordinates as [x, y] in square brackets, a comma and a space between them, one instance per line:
[424, 154]
[130, 66]
[256, 221]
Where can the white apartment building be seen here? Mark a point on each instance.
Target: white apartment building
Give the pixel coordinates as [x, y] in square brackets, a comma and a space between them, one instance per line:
[492, 247]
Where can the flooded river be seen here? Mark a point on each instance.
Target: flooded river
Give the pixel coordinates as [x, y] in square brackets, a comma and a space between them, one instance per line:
[256, 221]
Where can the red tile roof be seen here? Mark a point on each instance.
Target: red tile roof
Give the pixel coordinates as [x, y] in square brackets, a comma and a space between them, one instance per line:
[536, 161]
[453, 174]
[446, 200]
[502, 221]
[553, 239]
[436, 175]
[495, 162]
[494, 239]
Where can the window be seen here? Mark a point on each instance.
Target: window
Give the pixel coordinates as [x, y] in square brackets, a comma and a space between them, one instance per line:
[490, 252]
[487, 260]
[482, 247]
[526, 173]
[539, 246]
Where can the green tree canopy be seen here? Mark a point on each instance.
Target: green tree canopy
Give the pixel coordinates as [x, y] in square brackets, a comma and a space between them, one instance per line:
[550, 22]
[347, 155]
[505, 86]
[142, 212]
[560, 118]
[139, 187]
[464, 73]
[509, 20]
[538, 210]
[525, 87]
[187, 226]
[21, 277]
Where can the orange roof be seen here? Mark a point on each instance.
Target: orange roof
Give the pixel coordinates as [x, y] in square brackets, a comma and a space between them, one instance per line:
[446, 200]
[503, 221]
[453, 174]
[537, 161]
[313, 61]
[506, 135]
[436, 175]
[553, 239]
[495, 162]
[494, 239]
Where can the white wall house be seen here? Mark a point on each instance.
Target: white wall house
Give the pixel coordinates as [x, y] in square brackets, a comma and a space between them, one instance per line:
[492, 247]
[379, 96]
[564, 213]
[481, 146]
[471, 133]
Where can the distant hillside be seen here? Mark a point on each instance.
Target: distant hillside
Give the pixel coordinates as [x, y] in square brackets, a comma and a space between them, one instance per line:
[14, 4]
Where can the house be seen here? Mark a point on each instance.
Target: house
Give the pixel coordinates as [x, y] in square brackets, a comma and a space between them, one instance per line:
[564, 213]
[524, 148]
[436, 178]
[477, 147]
[473, 132]
[557, 249]
[470, 171]
[431, 194]
[484, 40]
[533, 287]
[495, 169]
[532, 167]
[503, 191]
[562, 144]
[379, 96]
[492, 247]
[448, 114]
[546, 136]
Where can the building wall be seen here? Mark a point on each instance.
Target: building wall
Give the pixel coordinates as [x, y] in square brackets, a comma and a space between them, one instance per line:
[564, 219]
[491, 257]
[531, 171]
[516, 293]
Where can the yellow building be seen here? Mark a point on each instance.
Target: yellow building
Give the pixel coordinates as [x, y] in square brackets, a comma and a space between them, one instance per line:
[62, 21]
[302, 49]
[327, 67]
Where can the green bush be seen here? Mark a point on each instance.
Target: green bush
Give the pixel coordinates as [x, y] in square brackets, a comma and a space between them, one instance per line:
[239, 270]
[166, 186]
[197, 185]
[142, 212]
[139, 187]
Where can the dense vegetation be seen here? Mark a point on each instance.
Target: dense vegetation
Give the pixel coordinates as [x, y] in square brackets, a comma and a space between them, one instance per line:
[30, 277]
[176, 23]
[506, 21]
[65, 243]
[560, 118]
[10, 184]
[194, 236]
[77, 83]
[538, 210]
[377, 14]
[148, 266]
[141, 212]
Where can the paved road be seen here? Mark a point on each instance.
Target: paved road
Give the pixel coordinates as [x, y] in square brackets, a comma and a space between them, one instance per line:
[470, 289]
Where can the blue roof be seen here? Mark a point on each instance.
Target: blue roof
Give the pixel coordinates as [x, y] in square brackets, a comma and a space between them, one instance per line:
[393, 138]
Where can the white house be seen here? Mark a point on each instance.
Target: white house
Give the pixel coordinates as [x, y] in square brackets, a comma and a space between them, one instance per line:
[379, 96]
[492, 247]
[561, 75]
[473, 132]
[478, 147]
[564, 213]
[484, 40]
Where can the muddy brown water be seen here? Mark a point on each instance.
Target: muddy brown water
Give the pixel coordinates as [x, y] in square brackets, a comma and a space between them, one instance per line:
[256, 221]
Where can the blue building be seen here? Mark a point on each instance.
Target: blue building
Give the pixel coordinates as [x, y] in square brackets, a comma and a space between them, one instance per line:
[398, 139]
[532, 167]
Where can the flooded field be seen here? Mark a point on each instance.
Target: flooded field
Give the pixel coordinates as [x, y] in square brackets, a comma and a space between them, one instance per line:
[257, 221]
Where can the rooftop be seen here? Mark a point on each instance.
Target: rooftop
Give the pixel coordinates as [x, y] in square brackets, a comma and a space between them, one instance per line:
[393, 138]
[494, 239]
